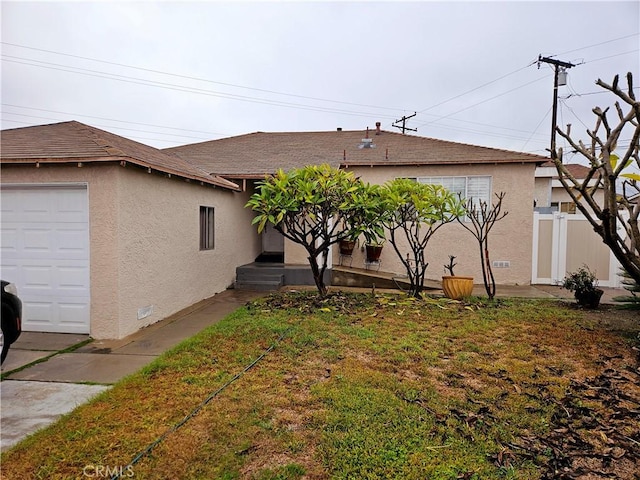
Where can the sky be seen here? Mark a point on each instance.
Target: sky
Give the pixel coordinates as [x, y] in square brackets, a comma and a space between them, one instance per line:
[173, 73]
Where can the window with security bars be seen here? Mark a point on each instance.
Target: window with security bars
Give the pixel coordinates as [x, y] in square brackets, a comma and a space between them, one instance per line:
[207, 217]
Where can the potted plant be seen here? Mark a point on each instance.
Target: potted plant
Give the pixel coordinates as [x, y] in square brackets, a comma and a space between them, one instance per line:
[350, 235]
[374, 250]
[453, 286]
[374, 240]
[584, 284]
[347, 246]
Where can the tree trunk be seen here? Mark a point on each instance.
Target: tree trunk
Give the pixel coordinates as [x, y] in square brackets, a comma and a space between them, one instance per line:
[318, 272]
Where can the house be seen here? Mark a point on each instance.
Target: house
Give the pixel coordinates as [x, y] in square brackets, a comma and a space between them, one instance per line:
[551, 196]
[377, 156]
[104, 235]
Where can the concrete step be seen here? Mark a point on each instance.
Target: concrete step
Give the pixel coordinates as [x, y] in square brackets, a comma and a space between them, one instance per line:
[258, 280]
[259, 285]
[253, 276]
[299, 274]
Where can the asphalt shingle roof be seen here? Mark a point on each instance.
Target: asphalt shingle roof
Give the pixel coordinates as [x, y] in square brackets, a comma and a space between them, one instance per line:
[256, 154]
[76, 142]
[578, 171]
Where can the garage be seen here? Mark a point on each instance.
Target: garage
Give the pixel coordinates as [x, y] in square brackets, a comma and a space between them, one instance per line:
[45, 252]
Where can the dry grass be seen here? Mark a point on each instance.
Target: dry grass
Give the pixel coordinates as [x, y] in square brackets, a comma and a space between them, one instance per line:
[360, 387]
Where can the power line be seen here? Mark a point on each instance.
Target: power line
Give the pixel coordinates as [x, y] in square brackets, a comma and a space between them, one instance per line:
[612, 56]
[484, 133]
[200, 79]
[109, 126]
[520, 69]
[483, 125]
[187, 89]
[473, 89]
[536, 129]
[74, 115]
[601, 43]
[132, 137]
[181, 88]
[113, 120]
[483, 101]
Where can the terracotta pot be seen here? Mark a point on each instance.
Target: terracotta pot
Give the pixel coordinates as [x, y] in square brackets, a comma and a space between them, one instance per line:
[457, 287]
[373, 253]
[347, 246]
[589, 299]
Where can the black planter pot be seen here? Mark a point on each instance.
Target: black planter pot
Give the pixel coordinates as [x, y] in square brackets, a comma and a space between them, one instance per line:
[590, 299]
[373, 252]
[346, 247]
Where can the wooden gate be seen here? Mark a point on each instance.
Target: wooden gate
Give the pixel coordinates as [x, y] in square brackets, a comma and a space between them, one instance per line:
[562, 243]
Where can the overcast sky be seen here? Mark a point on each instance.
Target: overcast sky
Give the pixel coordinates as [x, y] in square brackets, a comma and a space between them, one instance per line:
[172, 73]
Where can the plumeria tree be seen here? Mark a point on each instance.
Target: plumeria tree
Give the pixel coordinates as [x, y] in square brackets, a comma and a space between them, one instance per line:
[480, 219]
[314, 206]
[611, 164]
[414, 213]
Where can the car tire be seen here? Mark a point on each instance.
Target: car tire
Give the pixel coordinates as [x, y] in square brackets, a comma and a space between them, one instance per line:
[7, 312]
[5, 349]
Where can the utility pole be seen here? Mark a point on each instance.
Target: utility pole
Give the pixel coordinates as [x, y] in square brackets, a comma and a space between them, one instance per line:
[404, 121]
[554, 117]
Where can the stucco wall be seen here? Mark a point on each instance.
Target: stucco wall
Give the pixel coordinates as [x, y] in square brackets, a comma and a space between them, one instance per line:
[144, 236]
[510, 240]
[542, 192]
[161, 265]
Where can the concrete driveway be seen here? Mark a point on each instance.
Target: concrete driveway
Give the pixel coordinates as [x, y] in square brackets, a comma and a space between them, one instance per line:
[47, 375]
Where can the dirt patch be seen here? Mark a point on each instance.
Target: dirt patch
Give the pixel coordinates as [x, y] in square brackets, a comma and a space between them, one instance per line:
[609, 317]
[595, 428]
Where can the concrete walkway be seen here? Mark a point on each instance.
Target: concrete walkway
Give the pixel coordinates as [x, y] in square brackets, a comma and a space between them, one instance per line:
[33, 394]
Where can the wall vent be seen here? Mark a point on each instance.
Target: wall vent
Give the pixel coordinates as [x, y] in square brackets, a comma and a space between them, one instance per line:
[501, 264]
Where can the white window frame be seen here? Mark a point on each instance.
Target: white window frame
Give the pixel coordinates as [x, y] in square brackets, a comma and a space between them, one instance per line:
[446, 180]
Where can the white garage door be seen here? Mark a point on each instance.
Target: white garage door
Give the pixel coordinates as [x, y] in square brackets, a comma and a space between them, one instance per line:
[45, 252]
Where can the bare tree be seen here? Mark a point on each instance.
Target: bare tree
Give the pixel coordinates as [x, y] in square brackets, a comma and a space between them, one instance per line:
[616, 219]
[483, 217]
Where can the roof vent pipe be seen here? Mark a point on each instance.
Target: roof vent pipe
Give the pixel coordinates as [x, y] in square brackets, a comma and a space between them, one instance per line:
[378, 128]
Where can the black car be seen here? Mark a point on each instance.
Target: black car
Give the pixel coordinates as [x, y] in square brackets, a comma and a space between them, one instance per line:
[11, 317]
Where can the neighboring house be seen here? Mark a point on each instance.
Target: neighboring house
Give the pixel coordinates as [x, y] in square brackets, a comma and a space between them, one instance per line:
[104, 235]
[564, 240]
[379, 156]
[551, 196]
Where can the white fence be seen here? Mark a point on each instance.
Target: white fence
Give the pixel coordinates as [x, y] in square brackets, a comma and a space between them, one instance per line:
[562, 243]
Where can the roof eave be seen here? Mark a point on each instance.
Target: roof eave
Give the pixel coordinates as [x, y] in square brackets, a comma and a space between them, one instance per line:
[399, 163]
[215, 180]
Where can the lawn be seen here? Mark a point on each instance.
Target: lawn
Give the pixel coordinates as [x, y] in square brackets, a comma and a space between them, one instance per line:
[359, 386]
